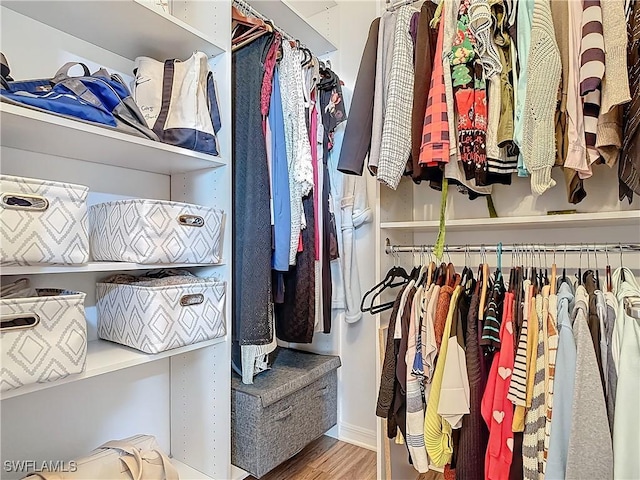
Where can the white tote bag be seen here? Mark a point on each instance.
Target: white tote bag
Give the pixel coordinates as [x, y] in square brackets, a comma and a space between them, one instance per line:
[179, 102]
[134, 458]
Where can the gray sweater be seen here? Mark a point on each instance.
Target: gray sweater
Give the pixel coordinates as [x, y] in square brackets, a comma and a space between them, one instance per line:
[590, 453]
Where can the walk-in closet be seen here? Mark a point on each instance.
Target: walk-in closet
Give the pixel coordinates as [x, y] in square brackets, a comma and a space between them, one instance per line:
[320, 239]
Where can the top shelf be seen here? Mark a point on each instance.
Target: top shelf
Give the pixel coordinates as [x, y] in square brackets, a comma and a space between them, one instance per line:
[129, 28]
[573, 220]
[292, 22]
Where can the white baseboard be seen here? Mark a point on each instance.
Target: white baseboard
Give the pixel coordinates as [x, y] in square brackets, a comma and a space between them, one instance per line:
[362, 437]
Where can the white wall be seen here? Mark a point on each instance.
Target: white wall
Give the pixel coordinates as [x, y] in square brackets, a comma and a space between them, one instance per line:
[347, 25]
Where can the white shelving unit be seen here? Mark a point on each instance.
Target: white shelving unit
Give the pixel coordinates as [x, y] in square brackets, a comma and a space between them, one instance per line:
[181, 396]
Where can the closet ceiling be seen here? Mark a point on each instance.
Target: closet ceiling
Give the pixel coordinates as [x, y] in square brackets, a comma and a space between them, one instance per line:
[309, 8]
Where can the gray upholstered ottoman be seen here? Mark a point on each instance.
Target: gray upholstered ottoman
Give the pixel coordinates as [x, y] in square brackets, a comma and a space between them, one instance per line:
[284, 410]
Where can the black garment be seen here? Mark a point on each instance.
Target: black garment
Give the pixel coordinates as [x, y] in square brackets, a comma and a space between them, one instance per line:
[594, 320]
[423, 65]
[516, 471]
[399, 405]
[388, 377]
[252, 302]
[357, 135]
[474, 435]
[333, 113]
[295, 318]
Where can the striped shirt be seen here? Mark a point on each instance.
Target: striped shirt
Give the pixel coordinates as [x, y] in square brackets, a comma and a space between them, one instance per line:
[535, 420]
[493, 318]
[592, 68]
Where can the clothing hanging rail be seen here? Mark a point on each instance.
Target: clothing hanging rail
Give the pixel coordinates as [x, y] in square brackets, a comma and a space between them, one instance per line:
[391, 6]
[542, 247]
[241, 4]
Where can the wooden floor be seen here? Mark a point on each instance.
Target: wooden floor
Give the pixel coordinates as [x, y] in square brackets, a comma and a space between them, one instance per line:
[327, 459]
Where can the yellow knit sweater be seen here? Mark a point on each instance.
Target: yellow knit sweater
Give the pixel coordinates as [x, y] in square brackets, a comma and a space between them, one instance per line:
[437, 431]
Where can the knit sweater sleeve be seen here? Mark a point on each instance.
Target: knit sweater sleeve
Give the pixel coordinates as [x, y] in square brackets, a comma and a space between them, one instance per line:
[542, 84]
[615, 85]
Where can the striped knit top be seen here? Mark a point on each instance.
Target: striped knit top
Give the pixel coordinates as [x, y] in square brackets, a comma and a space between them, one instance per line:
[535, 420]
[591, 71]
[518, 387]
[493, 318]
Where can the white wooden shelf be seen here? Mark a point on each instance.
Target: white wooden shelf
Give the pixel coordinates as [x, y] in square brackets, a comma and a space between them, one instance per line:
[129, 28]
[105, 357]
[188, 473]
[40, 132]
[291, 21]
[573, 220]
[96, 267]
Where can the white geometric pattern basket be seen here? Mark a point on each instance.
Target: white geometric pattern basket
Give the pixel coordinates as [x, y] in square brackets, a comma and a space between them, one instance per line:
[155, 231]
[42, 339]
[154, 319]
[42, 222]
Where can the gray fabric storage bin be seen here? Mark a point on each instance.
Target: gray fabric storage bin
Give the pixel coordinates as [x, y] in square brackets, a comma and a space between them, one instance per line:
[284, 410]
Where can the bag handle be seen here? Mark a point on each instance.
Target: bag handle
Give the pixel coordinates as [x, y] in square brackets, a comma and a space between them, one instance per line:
[5, 71]
[212, 99]
[63, 71]
[170, 471]
[167, 87]
[43, 476]
[135, 462]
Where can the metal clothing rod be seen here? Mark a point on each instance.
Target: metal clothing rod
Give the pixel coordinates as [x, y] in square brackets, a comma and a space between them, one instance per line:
[391, 6]
[244, 5]
[522, 247]
[394, 6]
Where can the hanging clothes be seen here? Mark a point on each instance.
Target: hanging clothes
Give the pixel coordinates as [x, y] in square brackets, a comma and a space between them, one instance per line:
[563, 386]
[626, 436]
[333, 113]
[590, 451]
[388, 379]
[497, 410]
[396, 143]
[437, 431]
[252, 305]
[426, 40]
[474, 435]
[415, 409]
[386, 34]
[629, 165]
[357, 141]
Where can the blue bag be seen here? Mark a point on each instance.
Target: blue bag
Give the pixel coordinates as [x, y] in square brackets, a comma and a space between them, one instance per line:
[100, 99]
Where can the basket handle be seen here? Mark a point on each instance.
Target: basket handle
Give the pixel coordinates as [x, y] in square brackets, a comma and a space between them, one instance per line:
[191, 220]
[191, 299]
[23, 201]
[19, 321]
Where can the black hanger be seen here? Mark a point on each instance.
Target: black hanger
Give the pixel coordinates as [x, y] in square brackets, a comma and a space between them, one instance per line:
[395, 272]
